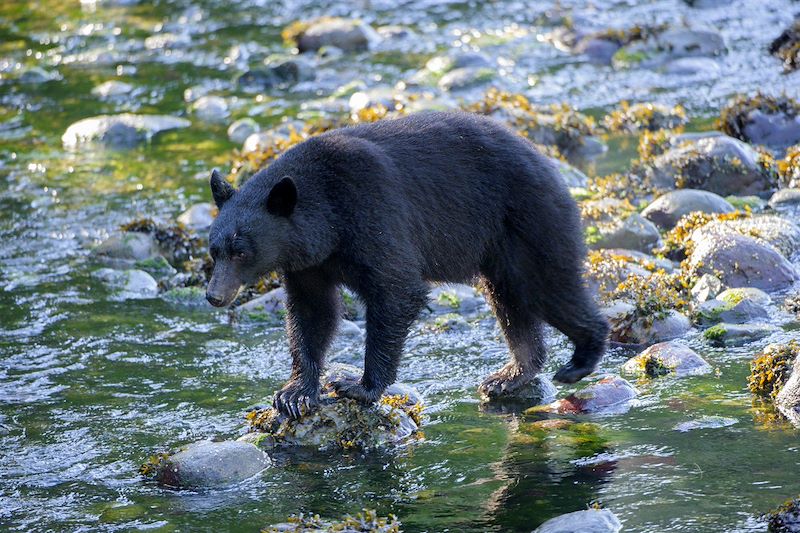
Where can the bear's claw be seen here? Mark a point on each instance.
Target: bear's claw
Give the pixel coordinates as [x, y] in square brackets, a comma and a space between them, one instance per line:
[504, 382]
[350, 388]
[295, 401]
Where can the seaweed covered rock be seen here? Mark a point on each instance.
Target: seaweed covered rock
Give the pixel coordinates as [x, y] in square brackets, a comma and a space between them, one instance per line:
[786, 46]
[788, 398]
[778, 231]
[607, 269]
[119, 131]
[600, 46]
[770, 121]
[784, 519]
[366, 521]
[540, 390]
[588, 521]
[269, 307]
[206, 464]
[669, 208]
[126, 248]
[722, 165]
[609, 395]
[645, 116]
[771, 368]
[176, 243]
[341, 423]
[725, 334]
[734, 306]
[345, 34]
[667, 358]
[661, 48]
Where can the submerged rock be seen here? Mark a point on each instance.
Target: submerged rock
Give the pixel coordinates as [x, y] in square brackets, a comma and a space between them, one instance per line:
[669, 208]
[207, 464]
[722, 165]
[666, 358]
[611, 394]
[705, 422]
[112, 89]
[119, 131]
[340, 423]
[588, 521]
[128, 284]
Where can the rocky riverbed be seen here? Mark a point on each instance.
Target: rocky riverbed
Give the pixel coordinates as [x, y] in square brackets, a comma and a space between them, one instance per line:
[676, 126]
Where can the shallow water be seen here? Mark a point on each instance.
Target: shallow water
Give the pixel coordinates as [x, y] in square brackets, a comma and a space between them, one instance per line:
[90, 387]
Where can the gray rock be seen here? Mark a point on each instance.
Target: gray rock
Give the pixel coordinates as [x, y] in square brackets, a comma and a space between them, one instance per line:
[667, 357]
[212, 464]
[671, 326]
[721, 164]
[168, 41]
[693, 66]
[737, 334]
[460, 79]
[633, 233]
[126, 248]
[610, 395]
[193, 297]
[715, 311]
[347, 35]
[262, 139]
[198, 217]
[239, 131]
[706, 288]
[269, 307]
[156, 266]
[539, 391]
[776, 131]
[705, 422]
[598, 51]
[211, 108]
[788, 399]
[350, 330]
[445, 63]
[739, 260]
[112, 89]
[691, 43]
[455, 298]
[571, 175]
[119, 131]
[781, 233]
[588, 521]
[130, 284]
[37, 76]
[291, 70]
[740, 294]
[667, 209]
[786, 201]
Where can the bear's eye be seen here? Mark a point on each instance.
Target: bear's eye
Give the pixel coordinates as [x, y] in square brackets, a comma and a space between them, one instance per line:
[239, 255]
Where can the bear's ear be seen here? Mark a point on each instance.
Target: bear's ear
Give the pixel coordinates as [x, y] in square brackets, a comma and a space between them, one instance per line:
[282, 198]
[221, 190]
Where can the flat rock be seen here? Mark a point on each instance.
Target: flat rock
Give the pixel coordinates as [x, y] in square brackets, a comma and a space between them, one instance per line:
[587, 521]
[705, 422]
[610, 395]
[119, 131]
[346, 35]
[130, 284]
[209, 464]
[667, 209]
[667, 358]
[737, 334]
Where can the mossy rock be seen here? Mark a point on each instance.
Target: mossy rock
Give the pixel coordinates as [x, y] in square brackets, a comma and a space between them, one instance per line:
[771, 368]
[366, 521]
[667, 358]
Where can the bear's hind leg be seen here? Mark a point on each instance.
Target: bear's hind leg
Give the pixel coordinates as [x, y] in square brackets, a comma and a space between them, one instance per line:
[523, 331]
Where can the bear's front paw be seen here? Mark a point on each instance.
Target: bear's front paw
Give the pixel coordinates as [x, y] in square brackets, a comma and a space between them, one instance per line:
[349, 388]
[504, 382]
[294, 400]
[572, 373]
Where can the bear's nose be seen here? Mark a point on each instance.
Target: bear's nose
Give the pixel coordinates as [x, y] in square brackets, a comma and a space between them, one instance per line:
[214, 300]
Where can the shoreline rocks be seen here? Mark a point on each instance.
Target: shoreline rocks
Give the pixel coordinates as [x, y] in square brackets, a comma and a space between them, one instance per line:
[119, 131]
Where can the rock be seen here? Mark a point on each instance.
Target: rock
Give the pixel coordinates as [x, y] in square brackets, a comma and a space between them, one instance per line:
[350, 330]
[445, 63]
[770, 121]
[269, 307]
[587, 521]
[126, 248]
[737, 334]
[706, 288]
[240, 130]
[740, 294]
[264, 139]
[693, 66]
[645, 116]
[784, 519]
[466, 78]
[739, 260]
[722, 165]
[291, 70]
[611, 394]
[366, 521]
[786, 201]
[119, 131]
[633, 233]
[112, 89]
[665, 358]
[339, 423]
[597, 50]
[788, 398]
[715, 311]
[705, 422]
[571, 175]
[455, 298]
[128, 284]
[668, 46]
[787, 46]
[777, 231]
[208, 464]
[667, 209]
[211, 108]
[156, 266]
[629, 329]
[167, 40]
[538, 391]
[37, 76]
[198, 217]
[192, 297]
[347, 35]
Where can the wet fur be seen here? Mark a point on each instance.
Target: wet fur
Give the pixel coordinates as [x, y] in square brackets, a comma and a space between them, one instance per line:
[386, 208]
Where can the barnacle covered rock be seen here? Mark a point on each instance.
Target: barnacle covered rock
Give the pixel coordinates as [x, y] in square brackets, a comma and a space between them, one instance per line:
[772, 367]
[645, 116]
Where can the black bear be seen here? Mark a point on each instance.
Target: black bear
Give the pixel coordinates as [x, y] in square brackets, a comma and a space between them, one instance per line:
[384, 209]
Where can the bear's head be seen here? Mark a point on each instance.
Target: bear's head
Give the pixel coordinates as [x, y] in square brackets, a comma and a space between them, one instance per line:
[250, 235]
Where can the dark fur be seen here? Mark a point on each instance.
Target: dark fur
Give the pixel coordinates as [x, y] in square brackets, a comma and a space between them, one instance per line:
[385, 208]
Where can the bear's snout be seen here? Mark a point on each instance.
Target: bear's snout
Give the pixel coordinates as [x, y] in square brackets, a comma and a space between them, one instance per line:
[215, 300]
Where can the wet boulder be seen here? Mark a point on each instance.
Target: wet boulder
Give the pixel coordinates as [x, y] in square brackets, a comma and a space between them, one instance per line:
[784, 519]
[629, 326]
[741, 312]
[366, 521]
[706, 288]
[667, 358]
[198, 217]
[725, 334]
[633, 233]
[461, 79]
[669, 208]
[739, 260]
[126, 248]
[780, 232]
[345, 34]
[207, 464]
[721, 165]
[540, 390]
[572, 176]
[340, 423]
[119, 131]
[130, 284]
[666, 46]
[611, 394]
[773, 122]
[587, 521]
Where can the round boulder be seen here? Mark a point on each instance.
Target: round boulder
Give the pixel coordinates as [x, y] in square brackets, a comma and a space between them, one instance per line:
[587, 521]
[667, 209]
[345, 34]
[119, 131]
[667, 358]
[611, 394]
